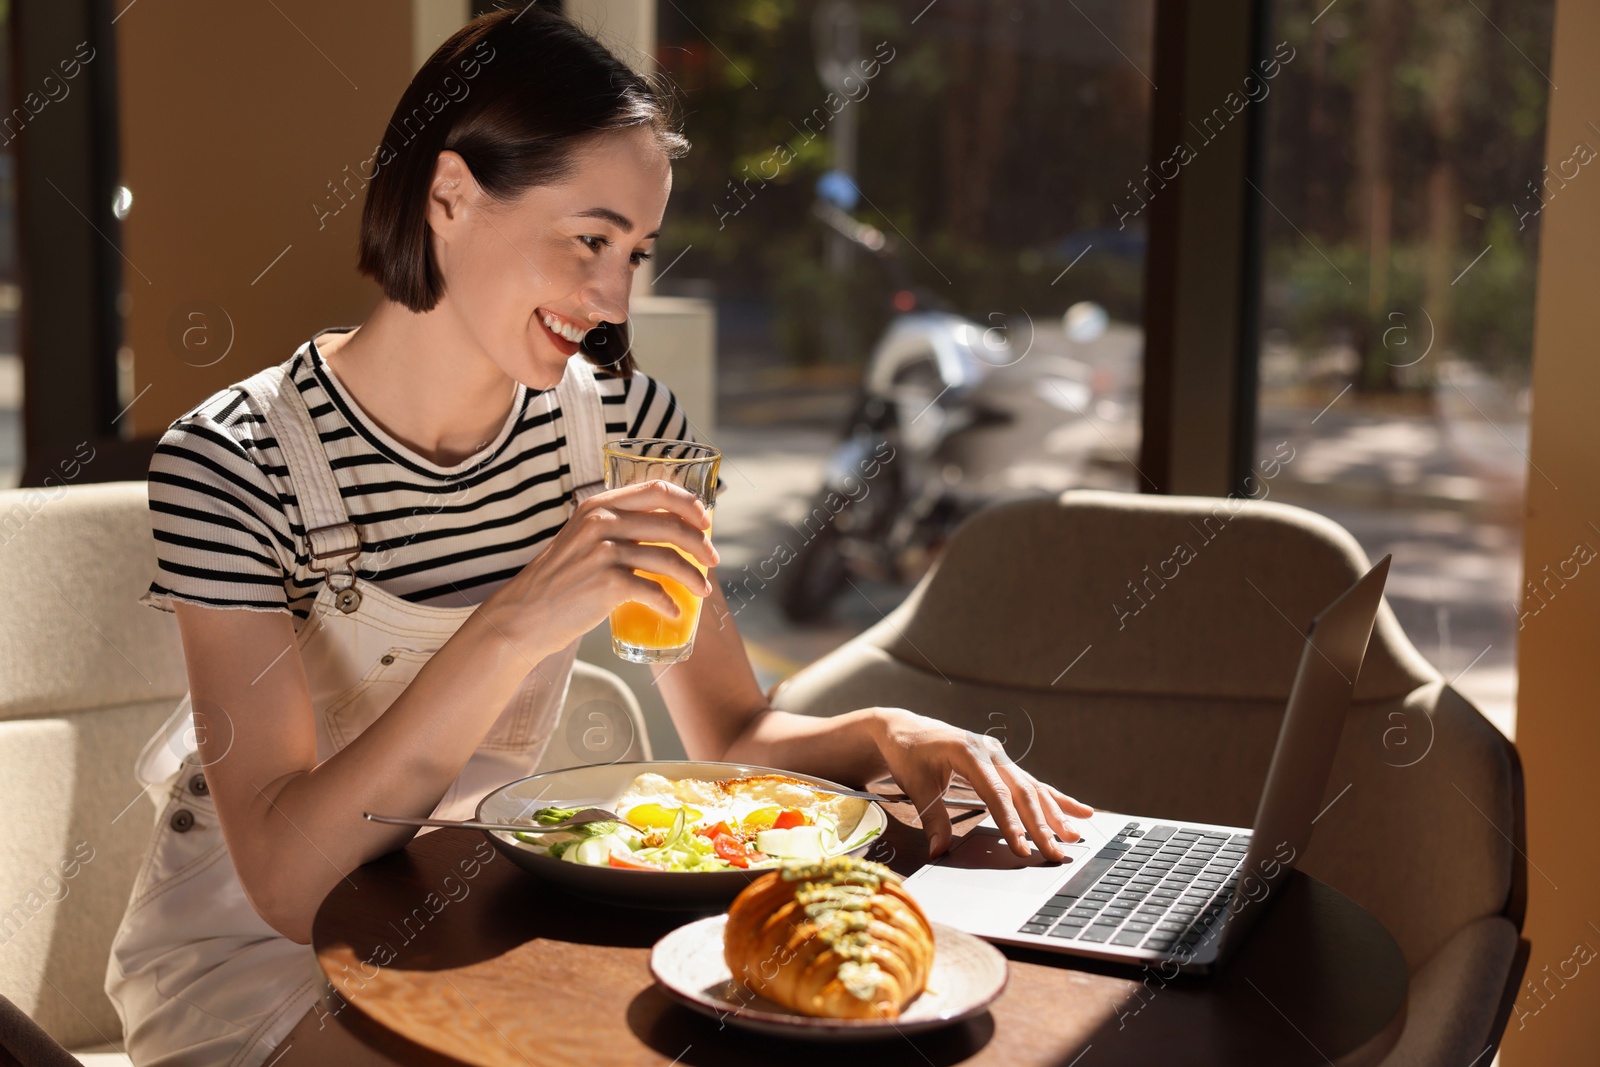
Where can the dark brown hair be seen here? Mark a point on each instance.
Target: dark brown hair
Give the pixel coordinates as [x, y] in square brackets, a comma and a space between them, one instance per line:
[516, 93]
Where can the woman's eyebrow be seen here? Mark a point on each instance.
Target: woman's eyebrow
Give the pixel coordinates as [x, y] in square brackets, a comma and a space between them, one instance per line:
[620, 221]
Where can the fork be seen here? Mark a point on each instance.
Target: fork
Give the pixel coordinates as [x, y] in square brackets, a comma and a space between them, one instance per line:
[580, 818]
[900, 795]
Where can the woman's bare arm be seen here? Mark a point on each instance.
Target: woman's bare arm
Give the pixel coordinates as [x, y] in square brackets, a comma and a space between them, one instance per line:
[721, 714]
[294, 826]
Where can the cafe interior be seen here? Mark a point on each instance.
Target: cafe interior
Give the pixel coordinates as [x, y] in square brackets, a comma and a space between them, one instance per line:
[1185, 407]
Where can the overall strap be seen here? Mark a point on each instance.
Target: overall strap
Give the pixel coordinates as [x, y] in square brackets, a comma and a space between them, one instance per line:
[328, 527]
[583, 411]
[332, 539]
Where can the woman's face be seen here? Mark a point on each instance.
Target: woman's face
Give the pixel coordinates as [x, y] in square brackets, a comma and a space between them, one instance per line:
[528, 277]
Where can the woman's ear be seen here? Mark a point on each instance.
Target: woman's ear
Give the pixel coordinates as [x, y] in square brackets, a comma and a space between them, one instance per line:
[452, 192]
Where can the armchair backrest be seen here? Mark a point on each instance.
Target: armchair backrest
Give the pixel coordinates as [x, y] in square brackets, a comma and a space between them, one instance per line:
[87, 675]
[1138, 651]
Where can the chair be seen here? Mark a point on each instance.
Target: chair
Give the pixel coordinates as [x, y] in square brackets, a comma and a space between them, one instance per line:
[1138, 652]
[23, 1044]
[86, 676]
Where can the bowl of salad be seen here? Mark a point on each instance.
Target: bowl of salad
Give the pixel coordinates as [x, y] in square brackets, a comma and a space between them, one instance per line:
[689, 834]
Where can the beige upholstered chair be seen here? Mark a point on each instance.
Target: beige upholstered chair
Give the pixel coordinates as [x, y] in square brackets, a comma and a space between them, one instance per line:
[1138, 651]
[86, 676]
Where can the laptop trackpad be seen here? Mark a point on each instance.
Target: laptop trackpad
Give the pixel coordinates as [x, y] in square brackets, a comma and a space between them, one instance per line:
[986, 850]
[983, 867]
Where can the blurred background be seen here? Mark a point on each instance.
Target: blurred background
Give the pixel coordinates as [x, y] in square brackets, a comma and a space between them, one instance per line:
[925, 225]
[1001, 149]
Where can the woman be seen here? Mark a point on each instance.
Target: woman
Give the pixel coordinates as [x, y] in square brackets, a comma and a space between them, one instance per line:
[380, 567]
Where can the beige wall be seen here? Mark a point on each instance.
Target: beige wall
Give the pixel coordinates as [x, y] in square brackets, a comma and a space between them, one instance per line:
[1558, 704]
[235, 119]
[243, 136]
[628, 29]
[431, 22]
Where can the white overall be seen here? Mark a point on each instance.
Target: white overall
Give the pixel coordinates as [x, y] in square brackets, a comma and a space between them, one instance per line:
[199, 979]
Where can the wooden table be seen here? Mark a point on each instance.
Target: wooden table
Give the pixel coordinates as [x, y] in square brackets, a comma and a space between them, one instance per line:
[446, 945]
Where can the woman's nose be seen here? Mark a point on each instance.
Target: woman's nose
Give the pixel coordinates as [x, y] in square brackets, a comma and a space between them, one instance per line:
[607, 299]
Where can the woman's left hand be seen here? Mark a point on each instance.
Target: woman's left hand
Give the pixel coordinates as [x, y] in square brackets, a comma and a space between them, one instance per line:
[924, 754]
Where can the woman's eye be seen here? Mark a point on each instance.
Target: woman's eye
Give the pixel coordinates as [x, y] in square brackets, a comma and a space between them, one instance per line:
[598, 244]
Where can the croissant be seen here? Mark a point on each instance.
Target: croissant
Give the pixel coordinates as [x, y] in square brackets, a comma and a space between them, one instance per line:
[838, 938]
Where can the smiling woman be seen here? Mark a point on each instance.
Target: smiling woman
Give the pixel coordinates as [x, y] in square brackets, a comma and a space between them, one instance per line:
[369, 510]
[535, 119]
[382, 557]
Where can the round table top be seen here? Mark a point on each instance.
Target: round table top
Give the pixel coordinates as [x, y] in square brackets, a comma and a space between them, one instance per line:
[445, 952]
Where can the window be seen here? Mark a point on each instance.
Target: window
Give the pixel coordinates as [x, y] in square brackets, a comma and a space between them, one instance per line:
[10, 291]
[982, 146]
[1404, 176]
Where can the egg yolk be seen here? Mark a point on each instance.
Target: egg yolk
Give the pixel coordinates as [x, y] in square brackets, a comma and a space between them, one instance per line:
[658, 817]
[761, 819]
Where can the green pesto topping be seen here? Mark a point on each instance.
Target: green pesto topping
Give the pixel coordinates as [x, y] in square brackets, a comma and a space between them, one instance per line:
[839, 870]
[835, 894]
[861, 980]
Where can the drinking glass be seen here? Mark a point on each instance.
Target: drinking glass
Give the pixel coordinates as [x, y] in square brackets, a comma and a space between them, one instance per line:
[641, 634]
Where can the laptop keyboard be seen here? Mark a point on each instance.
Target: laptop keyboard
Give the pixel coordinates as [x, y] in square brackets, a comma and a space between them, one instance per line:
[1159, 889]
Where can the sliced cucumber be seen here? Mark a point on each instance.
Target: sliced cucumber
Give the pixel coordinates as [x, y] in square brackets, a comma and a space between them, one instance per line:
[795, 843]
[595, 851]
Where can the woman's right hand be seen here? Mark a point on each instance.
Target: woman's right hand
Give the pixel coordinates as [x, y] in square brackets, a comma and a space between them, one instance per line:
[588, 569]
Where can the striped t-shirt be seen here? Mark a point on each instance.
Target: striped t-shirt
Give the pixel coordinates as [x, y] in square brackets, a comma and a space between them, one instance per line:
[432, 535]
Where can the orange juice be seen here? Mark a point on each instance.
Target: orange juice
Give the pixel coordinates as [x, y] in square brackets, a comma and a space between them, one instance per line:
[643, 627]
[641, 634]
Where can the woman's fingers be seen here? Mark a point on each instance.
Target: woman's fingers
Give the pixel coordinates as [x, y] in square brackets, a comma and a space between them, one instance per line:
[1054, 815]
[654, 495]
[1020, 804]
[996, 795]
[1025, 799]
[1058, 818]
[1075, 808]
[650, 593]
[658, 559]
[661, 527]
[927, 793]
[926, 756]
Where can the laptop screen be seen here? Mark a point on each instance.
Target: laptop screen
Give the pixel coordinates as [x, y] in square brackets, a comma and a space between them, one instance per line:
[1319, 702]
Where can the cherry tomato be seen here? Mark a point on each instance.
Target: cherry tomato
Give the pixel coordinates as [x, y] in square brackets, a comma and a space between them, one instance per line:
[787, 819]
[730, 848]
[715, 830]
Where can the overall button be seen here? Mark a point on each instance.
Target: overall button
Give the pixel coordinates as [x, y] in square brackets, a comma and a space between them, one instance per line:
[388, 658]
[347, 600]
[182, 821]
[198, 786]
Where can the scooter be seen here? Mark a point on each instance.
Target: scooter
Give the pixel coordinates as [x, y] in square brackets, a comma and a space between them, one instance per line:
[948, 420]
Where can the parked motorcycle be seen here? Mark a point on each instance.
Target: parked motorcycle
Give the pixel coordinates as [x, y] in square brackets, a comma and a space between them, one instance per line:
[949, 419]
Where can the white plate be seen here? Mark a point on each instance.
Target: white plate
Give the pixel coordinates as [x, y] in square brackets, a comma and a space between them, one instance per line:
[967, 976]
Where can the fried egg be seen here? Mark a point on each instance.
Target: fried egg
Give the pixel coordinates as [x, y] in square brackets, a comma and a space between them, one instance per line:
[652, 802]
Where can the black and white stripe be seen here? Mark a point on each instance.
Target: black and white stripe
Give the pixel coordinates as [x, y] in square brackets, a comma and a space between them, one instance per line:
[227, 524]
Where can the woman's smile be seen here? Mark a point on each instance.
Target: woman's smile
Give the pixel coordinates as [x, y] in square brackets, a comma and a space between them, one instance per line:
[562, 332]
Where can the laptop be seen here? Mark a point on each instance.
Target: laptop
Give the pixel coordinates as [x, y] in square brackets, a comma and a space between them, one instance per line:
[1138, 889]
